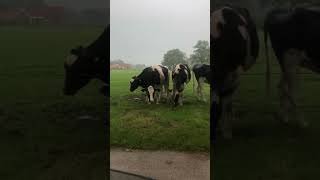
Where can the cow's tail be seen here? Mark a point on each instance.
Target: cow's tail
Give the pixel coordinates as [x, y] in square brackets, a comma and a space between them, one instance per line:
[267, 59]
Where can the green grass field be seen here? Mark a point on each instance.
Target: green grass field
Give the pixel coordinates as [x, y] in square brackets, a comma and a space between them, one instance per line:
[135, 124]
[263, 148]
[41, 133]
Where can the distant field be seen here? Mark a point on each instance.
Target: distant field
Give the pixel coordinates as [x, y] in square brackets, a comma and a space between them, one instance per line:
[262, 147]
[135, 124]
[42, 136]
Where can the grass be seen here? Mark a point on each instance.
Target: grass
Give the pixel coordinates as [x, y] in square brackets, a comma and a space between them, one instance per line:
[263, 148]
[41, 133]
[135, 124]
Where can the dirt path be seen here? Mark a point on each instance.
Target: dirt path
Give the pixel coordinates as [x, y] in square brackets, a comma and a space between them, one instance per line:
[162, 165]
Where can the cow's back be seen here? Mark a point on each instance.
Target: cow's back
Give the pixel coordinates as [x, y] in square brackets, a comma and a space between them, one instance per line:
[150, 77]
[165, 73]
[100, 46]
[294, 29]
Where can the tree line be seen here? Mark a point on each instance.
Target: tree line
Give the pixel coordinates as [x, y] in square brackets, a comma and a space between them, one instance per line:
[201, 54]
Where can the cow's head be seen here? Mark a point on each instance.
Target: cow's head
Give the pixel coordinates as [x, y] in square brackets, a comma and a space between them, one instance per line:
[180, 78]
[176, 94]
[179, 82]
[134, 83]
[78, 70]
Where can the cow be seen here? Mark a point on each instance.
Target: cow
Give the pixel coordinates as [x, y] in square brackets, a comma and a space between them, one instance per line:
[202, 74]
[152, 79]
[86, 63]
[294, 35]
[234, 49]
[181, 76]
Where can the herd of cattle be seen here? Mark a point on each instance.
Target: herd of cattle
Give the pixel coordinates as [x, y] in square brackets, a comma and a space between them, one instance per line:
[154, 80]
[87, 63]
[294, 35]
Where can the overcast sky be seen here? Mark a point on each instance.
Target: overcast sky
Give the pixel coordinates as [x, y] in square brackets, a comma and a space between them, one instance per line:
[142, 31]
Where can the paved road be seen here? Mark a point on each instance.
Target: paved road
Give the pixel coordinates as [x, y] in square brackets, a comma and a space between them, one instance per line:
[162, 165]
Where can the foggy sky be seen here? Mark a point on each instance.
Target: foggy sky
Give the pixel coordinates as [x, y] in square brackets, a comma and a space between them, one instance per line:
[142, 31]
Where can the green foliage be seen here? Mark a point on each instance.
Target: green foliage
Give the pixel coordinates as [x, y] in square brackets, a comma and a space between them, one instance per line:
[173, 57]
[201, 54]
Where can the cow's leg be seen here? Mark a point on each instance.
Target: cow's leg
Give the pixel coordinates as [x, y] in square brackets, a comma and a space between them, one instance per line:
[180, 99]
[284, 100]
[226, 116]
[214, 112]
[201, 84]
[162, 90]
[290, 84]
[167, 93]
[147, 98]
[231, 84]
[166, 87]
[159, 96]
[151, 93]
[158, 93]
[198, 89]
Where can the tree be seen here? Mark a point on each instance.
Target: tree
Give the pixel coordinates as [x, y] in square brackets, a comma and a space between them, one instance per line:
[201, 54]
[173, 57]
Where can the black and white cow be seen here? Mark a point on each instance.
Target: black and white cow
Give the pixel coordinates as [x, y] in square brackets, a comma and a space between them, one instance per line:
[152, 79]
[295, 37]
[86, 63]
[202, 74]
[234, 48]
[181, 76]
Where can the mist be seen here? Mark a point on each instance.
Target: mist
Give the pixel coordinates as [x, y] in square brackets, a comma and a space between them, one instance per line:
[142, 31]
